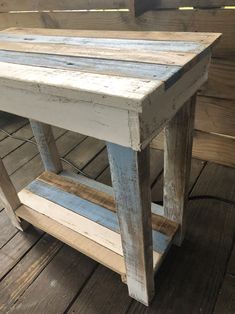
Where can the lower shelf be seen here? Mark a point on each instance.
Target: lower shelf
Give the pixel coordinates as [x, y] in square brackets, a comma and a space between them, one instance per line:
[81, 213]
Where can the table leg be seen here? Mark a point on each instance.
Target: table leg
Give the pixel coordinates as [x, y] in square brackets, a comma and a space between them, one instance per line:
[10, 198]
[131, 184]
[177, 164]
[46, 146]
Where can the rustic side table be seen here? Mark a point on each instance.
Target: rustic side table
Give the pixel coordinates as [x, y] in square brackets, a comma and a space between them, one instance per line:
[124, 88]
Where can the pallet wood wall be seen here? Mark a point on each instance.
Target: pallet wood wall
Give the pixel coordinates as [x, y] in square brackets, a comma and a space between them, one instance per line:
[215, 113]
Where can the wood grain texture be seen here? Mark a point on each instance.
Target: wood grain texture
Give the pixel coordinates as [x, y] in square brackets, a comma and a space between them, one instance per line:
[215, 115]
[231, 263]
[105, 43]
[178, 143]
[67, 263]
[83, 244]
[7, 229]
[138, 7]
[102, 89]
[161, 57]
[170, 20]
[221, 79]
[10, 123]
[27, 5]
[46, 146]
[13, 285]
[78, 114]
[9, 197]
[226, 300]
[103, 287]
[40, 5]
[140, 70]
[13, 250]
[131, 184]
[203, 38]
[92, 191]
[153, 120]
[62, 203]
[104, 122]
[206, 146]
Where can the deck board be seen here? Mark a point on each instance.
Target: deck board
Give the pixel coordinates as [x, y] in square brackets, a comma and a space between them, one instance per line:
[37, 271]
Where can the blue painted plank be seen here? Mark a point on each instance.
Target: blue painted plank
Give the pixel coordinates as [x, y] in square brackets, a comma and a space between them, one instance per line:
[152, 45]
[89, 210]
[74, 203]
[155, 208]
[150, 71]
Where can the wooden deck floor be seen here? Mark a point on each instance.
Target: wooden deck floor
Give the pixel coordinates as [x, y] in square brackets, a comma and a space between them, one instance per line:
[39, 274]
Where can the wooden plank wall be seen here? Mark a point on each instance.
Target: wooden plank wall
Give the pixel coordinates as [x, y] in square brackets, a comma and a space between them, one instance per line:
[215, 111]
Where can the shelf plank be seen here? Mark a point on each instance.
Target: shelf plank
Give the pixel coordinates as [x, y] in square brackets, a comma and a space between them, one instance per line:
[90, 248]
[87, 212]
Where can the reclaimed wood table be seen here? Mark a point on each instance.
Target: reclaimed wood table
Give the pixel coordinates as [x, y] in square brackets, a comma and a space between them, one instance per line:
[124, 88]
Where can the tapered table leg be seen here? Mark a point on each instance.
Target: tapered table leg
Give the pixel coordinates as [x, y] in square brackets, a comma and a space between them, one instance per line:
[46, 146]
[131, 184]
[10, 198]
[177, 164]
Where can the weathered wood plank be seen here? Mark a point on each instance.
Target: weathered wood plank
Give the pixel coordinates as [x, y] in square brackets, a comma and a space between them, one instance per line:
[107, 189]
[77, 241]
[46, 146]
[22, 275]
[27, 5]
[231, 263]
[226, 301]
[196, 169]
[161, 57]
[9, 197]
[39, 5]
[16, 247]
[153, 45]
[55, 200]
[204, 38]
[7, 229]
[221, 81]
[131, 184]
[10, 123]
[138, 7]
[9, 144]
[107, 292]
[226, 298]
[26, 151]
[74, 83]
[206, 146]
[140, 70]
[153, 120]
[54, 285]
[177, 164]
[163, 20]
[87, 189]
[56, 280]
[215, 115]
[83, 119]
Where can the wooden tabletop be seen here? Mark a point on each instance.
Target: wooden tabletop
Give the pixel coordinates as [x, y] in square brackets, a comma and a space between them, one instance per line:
[139, 72]
[123, 64]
